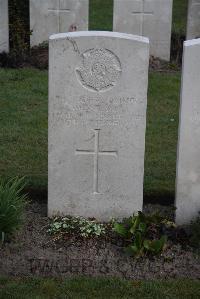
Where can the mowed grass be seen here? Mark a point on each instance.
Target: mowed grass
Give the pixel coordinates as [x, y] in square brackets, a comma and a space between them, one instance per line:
[161, 135]
[23, 130]
[101, 15]
[179, 15]
[97, 288]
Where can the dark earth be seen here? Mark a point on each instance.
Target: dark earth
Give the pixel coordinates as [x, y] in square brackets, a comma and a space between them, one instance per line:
[38, 57]
[32, 251]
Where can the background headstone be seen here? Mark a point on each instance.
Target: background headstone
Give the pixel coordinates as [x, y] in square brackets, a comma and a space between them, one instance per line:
[97, 119]
[55, 16]
[193, 20]
[4, 32]
[150, 18]
[188, 164]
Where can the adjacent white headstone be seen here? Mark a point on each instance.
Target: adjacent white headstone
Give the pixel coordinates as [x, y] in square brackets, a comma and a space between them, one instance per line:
[193, 22]
[97, 119]
[4, 32]
[150, 18]
[54, 16]
[188, 164]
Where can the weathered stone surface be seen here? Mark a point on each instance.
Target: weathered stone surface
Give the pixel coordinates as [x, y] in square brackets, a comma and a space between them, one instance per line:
[188, 164]
[97, 119]
[4, 35]
[55, 16]
[193, 21]
[150, 18]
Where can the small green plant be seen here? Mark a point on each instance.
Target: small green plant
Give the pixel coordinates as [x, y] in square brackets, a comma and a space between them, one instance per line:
[12, 204]
[76, 226]
[142, 234]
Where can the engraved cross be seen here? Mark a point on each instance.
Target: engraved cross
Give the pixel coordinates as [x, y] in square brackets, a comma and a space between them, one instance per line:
[96, 153]
[58, 12]
[142, 13]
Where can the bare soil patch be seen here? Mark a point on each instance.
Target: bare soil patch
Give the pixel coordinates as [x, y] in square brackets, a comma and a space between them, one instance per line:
[32, 251]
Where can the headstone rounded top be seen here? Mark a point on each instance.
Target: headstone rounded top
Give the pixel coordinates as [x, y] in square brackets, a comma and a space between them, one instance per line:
[99, 34]
[192, 42]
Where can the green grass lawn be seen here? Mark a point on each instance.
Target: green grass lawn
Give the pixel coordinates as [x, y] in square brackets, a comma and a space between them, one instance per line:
[101, 14]
[179, 15]
[161, 135]
[23, 130]
[97, 288]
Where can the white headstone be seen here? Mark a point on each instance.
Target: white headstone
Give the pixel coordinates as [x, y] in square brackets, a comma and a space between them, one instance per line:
[97, 119]
[48, 17]
[150, 18]
[193, 21]
[188, 164]
[4, 32]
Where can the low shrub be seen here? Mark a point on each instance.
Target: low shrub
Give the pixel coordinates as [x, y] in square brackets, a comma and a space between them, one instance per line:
[39, 56]
[12, 204]
[143, 234]
[76, 226]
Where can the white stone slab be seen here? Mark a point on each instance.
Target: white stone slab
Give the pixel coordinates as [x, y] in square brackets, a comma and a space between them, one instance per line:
[193, 21]
[4, 32]
[97, 119]
[188, 163]
[150, 18]
[54, 16]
